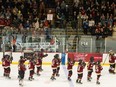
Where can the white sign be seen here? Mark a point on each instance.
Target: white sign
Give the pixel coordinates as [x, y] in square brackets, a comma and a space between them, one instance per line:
[50, 17]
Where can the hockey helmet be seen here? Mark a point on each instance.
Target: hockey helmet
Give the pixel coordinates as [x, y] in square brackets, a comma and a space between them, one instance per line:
[42, 50]
[56, 55]
[21, 57]
[80, 60]
[91, 58]
[111, 52]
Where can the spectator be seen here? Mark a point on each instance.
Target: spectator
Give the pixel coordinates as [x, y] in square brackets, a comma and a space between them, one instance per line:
[63, 6]
[85, 26]
[74, 20]
[21, 28]
[63, 20]
[91, 26]
[58, 20]
[58, 8]
[66, 13]
[79, 18]
[27, 25]
[42, 8]
[97, 32]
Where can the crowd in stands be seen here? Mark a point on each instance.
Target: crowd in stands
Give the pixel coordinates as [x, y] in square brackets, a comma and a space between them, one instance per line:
[30, 17]
[94, 16]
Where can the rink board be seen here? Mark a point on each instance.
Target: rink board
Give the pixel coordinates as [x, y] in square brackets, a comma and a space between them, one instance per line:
[47, 60]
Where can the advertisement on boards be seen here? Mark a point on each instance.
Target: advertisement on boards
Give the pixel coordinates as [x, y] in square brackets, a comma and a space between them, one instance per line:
[85, 56]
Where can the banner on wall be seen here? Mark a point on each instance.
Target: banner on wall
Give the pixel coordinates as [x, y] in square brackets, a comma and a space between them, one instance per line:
[85, 56]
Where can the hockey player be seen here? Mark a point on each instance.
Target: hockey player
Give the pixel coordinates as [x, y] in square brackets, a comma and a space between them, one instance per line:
[90, 65]
[112, 59]
[38, 65]
[58, 65]
[21, 71]
[81, 66]
[31, 69]
[41, 54]
[21, 60]
[98, 69]
[3, 64]
[54, 67]
[7, 63]
[69, 67]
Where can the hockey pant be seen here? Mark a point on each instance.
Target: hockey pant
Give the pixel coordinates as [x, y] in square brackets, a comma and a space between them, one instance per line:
[112, 68]
[90, 73]
[54, 72]
[38, 69]
[21, 74]
[70, 73]
[7, 71]
[80, 76]
[58, 68]
[98, 76]
[31, 73]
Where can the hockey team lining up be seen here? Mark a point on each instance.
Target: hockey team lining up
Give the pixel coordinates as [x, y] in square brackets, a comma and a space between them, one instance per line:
[36, 60]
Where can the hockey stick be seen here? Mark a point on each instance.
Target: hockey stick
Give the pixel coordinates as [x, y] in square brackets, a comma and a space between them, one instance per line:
[3, 47]
[105, 58]
[115, 66]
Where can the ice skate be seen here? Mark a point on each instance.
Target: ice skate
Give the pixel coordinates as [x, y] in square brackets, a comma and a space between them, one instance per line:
[57, 75]
[41, 69]
[77, 81]
[32, 78]
[88, 79]
[69, 79]
[80, 82]
[53, 78]
[29, 79]
[38, 74]
[4, 75]
[20, 83]
[8, 77]
[97, 82]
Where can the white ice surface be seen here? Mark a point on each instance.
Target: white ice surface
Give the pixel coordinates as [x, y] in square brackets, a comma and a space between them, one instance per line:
[107, 80]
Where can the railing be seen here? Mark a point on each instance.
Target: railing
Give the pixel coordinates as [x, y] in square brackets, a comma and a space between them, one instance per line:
[58, 43]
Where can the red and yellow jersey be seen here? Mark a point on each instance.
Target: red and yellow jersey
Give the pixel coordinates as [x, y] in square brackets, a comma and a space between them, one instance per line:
[38, 62]
[22, 60]
[80, 68]
[90, 65]
[31, 65]
[70, 65]
[21, 67]
[58, 62]
[98, 69]
[6, 63]
[54, 63]
[112, 59]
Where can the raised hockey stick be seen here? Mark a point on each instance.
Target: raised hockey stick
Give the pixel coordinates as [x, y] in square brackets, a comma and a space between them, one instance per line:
[3, 47]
